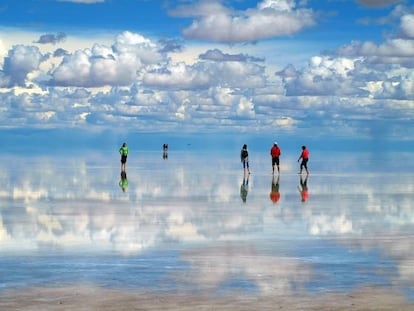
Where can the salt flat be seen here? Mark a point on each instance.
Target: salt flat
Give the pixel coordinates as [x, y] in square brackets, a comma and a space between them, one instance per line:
[196, 229]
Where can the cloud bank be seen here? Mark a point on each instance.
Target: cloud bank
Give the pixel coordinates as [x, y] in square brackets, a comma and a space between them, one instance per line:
[135, 82]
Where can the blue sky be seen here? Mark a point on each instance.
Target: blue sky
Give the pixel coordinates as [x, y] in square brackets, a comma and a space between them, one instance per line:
[333, 69]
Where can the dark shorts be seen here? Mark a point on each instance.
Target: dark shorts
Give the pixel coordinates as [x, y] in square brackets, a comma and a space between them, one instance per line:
[304, 163]
[275, 161]
[123, 159]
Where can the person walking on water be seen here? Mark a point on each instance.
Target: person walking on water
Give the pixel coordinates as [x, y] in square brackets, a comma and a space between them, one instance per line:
[275, 153]
[244, 158]
[123, 151]
[305, 158]
[165, 151]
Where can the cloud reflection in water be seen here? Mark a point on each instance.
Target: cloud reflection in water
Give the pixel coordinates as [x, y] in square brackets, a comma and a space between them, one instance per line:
[74, 204]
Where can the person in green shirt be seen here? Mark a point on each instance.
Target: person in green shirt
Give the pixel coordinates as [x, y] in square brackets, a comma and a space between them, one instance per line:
[124, 154]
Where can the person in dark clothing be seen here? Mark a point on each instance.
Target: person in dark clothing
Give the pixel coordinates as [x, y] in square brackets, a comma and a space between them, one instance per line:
[244, 158]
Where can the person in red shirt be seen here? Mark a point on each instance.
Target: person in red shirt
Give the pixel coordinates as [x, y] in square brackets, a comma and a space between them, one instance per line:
[305, 158]
[275, 153]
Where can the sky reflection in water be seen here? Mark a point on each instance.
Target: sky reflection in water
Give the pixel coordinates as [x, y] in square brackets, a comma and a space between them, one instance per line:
[182, 223]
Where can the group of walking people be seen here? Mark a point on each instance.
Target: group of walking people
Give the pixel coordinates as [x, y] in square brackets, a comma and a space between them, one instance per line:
[275, 153]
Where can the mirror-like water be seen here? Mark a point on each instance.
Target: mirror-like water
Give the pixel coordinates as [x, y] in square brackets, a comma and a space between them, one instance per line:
[197, 223]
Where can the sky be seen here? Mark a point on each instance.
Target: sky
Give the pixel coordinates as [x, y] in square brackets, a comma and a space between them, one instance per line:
[330, 71]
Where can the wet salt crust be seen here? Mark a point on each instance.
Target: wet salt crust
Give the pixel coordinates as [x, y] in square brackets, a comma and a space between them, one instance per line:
[181, 235]
[82, 297]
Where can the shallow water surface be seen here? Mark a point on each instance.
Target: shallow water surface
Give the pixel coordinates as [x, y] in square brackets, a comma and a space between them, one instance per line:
[194, 223]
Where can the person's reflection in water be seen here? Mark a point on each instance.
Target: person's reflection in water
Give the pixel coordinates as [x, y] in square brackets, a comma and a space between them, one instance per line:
[244, 188]
[123, 183]
[303, 188]
[274, 192]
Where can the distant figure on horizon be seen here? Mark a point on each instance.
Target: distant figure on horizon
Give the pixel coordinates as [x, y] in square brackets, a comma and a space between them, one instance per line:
[123, 151]
[123, 183]
[244, 188]
[274, 192]
[165, 151]
[305, 158]
[275, 153]
[303, 188]
[244, 158]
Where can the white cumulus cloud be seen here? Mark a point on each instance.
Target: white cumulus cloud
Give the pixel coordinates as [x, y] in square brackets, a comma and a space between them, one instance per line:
[407, 25]
[103, 65]
[271, 18]
[20, 61]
